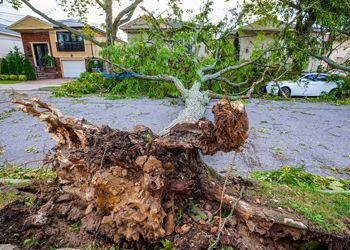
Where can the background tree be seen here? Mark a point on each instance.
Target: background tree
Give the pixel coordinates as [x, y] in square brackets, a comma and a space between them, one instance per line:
[81, 8]
[310, 27]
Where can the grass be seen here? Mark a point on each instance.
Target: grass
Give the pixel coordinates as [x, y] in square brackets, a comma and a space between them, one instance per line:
[50, 88]
[322, 200]
[13, 172]
[9, 81]
[6, 114]
[8, 193]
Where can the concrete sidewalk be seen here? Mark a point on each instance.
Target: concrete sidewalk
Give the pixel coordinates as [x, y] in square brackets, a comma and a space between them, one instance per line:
[34, 85]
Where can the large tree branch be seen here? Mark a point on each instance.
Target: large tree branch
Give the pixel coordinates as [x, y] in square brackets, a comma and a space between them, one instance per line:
[332, 63]
[74, 31]
[233, 84]
[178, 84]
[101, 4]
[206, 78]
[214, 95]
[128, 11]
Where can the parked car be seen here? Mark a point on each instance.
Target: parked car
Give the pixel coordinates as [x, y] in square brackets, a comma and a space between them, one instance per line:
[311, 84]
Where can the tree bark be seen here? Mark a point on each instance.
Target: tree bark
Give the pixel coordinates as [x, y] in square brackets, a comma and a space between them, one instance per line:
[123, 179]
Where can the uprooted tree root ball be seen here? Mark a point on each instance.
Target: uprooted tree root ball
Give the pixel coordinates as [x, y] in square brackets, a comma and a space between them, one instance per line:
[127, 186]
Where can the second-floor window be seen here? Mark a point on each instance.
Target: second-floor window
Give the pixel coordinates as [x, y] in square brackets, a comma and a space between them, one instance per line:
[67, 41]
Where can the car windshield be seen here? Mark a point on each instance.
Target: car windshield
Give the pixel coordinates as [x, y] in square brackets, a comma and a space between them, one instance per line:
[310, 77]
[322, 78]
[315, 77]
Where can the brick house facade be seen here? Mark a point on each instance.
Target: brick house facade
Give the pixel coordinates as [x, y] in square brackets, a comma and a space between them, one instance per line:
[70, 52]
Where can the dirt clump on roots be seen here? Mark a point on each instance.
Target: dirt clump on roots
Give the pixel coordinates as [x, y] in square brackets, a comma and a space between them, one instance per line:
[142, 191]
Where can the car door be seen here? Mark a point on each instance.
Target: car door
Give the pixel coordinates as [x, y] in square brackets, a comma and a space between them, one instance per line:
[303, 85]
[319, 85]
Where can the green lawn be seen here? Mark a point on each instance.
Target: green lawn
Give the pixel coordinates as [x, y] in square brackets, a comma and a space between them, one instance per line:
[9, 81]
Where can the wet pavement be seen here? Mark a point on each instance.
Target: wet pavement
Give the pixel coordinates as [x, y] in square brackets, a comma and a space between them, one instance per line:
[314, 135]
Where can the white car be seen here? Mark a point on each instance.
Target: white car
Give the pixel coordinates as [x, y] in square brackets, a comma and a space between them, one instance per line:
[312, 84]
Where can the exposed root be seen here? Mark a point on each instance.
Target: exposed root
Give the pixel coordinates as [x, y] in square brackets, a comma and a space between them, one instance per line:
[122, 185]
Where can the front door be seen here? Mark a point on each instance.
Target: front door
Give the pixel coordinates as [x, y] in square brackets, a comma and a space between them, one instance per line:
[40, 50]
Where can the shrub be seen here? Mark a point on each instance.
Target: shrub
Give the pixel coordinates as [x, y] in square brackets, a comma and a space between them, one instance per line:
[49, 61]
[4, 67]
[88, 83]
[12, 77]
[91, 65]
[28, 70]
[15, 62]
[22, 78]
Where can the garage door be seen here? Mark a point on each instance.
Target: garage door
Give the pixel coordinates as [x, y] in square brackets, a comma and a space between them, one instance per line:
[73, 68]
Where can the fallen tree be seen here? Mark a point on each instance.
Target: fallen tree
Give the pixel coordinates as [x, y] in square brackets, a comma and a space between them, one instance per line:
[126, 186]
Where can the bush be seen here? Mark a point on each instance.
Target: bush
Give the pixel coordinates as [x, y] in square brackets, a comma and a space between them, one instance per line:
[22, 78]
[91, 65]
[12, 77]
[49, 61]
[4, 77]
[28, 70]
[88, 83]
[4, 67]
[15, 62]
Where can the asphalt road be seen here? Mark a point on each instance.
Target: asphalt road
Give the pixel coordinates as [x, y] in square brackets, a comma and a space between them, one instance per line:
[314, 135]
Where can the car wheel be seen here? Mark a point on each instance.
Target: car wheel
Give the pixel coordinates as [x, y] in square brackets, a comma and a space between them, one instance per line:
[285, 90]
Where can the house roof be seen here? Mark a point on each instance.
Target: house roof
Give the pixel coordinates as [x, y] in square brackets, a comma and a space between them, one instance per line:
[37, 23]
[34, 23]
[141, 24]
[262, 25]
[268, 26]
[71, 23]
[4, 30]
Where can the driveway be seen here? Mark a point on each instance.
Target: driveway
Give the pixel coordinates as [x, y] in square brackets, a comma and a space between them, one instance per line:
[315, 135]
[34, 85]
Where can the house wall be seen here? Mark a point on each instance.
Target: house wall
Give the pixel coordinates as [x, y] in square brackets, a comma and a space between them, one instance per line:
[132, 34]
[8, 42]
[247, 41]
[49, 36]
[28, 38]
[90, 48]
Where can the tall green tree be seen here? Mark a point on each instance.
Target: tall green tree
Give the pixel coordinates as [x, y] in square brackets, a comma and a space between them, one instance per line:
[311, 27]
[80, 9]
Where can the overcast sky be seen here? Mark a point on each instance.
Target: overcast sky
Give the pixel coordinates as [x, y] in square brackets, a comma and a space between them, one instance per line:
[9, 15]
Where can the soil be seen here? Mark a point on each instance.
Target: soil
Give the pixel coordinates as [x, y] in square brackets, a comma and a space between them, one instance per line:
[190, 234]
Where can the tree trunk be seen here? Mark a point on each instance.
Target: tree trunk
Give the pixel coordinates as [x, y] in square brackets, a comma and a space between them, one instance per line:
[196, 102]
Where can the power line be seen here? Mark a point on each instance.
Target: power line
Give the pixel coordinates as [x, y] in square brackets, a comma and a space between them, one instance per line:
[8, 13]
[11, 21]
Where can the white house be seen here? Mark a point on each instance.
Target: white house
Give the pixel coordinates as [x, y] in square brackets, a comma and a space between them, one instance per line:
[8, 40]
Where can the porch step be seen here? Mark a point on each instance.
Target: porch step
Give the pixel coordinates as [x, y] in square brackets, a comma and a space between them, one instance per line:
[41, 76]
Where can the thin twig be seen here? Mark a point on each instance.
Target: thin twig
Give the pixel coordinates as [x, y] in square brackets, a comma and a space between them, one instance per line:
[225, 183]
[213, 245]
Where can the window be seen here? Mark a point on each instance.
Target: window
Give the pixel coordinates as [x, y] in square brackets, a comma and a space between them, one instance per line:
[322, 78]
[67, 41]
[310, 77]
